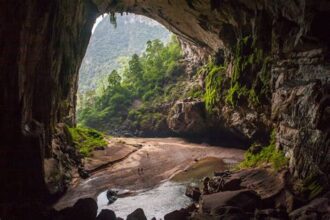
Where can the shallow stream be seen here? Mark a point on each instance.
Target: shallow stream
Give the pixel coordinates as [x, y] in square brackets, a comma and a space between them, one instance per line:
[155, 202]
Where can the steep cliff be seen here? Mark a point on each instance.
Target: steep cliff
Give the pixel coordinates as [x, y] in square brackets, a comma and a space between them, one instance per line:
[283, 44]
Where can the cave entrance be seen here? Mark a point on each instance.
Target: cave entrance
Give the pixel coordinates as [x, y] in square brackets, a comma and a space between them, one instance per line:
[133, 73]
[130, 62]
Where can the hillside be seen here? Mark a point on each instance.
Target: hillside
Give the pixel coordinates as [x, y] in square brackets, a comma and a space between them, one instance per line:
[108, 43]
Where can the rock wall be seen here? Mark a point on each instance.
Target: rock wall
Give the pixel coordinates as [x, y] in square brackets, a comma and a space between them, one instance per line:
[42, 45]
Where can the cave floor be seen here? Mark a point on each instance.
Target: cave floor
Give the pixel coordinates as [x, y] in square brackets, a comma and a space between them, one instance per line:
[160, 158]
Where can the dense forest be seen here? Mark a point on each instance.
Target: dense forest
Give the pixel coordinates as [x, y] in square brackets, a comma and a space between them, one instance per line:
[109, 42]
[134, 90]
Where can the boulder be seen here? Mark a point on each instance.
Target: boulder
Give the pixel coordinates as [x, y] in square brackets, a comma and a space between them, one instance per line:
[219, 183]
[270, 214]
[138, 214]
[246, 200]
[83, 209]
[193, 192]
[106, 214]
[177, 215]
[230, 212]
[83, 173]
[111, 196]
[180, 214]
[232, 184]
[317, 209]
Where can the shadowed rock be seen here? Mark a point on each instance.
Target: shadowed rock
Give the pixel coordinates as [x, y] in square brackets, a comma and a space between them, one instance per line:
[138, 214]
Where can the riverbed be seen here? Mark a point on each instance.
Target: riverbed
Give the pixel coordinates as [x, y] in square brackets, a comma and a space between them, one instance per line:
[167, 164]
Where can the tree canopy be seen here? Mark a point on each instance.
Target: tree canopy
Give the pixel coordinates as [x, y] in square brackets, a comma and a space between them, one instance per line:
[142, 78]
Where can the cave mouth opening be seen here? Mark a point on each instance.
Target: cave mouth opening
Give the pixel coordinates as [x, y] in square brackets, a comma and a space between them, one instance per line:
[128, 63]
[134, 95]
[125, 95]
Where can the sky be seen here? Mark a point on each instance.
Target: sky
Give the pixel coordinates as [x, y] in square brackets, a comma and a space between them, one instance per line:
[98, 20]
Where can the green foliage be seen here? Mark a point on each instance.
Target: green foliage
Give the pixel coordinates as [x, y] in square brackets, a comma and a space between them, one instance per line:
[268, 155]
[108, 44]
[213, 85]
[235, 93]
[86, 139]
[144, 78]
[143, 119]
[247, 60]
[195, 93]
[253, 98]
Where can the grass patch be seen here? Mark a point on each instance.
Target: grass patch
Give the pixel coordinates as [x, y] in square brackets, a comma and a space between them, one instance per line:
[268, 155]
[86, 139]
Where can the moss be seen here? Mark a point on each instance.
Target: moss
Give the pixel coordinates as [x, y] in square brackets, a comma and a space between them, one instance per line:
[265, 76]
[311, 186]
[268, 155]
[253, 98]
[86, 139]
[195, 92]
[247, 59]
[213, 85]
[235, 93]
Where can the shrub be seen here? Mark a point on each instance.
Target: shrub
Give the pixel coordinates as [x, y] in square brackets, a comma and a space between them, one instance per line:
[268, 155]
[86, 139]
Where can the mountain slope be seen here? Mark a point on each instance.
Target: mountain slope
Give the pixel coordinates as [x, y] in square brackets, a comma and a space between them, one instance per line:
[108, 43]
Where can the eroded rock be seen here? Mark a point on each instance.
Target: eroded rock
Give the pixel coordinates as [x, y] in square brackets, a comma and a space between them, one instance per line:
[246, 200]
[187, 117]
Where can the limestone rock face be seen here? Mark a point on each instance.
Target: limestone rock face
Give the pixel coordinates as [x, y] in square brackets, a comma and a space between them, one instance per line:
[187, 117]
[41, 48]
[64, 163]
[300, 108]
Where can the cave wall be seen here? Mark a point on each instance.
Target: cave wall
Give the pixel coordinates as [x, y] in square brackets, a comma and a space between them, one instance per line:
[42, 44]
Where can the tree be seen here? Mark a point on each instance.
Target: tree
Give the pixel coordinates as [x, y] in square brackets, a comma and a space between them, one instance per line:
[114, 79]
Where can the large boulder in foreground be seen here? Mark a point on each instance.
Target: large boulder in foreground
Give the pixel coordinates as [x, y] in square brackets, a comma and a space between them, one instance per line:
[106, 214]
[317, 209]
[138, 214]
[83, 209]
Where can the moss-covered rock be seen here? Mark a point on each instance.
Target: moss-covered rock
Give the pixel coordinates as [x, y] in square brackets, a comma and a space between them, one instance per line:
[87, 139]
[267, 155]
